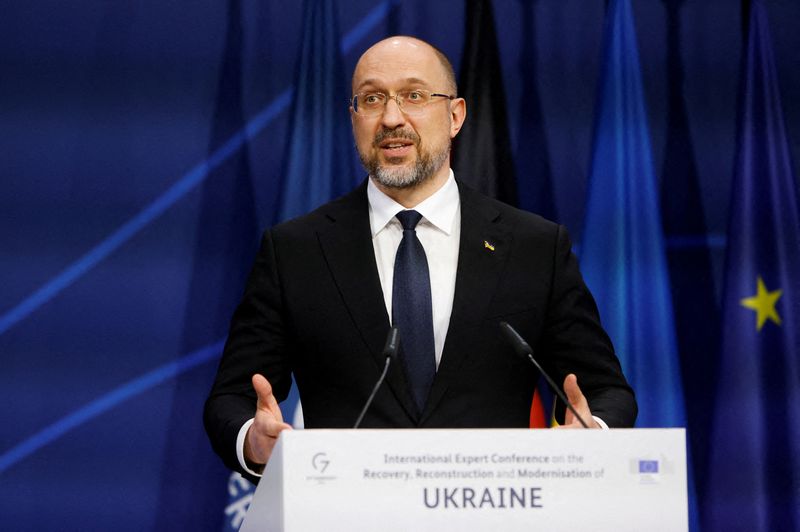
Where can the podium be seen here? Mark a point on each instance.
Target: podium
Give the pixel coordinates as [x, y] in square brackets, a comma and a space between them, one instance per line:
[476, 479]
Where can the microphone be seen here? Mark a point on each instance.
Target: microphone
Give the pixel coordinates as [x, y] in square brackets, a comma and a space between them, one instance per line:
[524, 350]
[390, 352]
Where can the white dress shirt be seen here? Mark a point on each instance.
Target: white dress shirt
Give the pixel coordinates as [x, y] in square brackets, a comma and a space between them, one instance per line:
[439, 231]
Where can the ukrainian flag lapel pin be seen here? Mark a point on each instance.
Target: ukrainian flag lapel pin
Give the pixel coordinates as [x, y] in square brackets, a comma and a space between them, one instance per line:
[488, 245]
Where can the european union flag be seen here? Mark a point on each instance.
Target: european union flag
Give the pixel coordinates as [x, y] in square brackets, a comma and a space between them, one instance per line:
[755, 464]
[648, 466]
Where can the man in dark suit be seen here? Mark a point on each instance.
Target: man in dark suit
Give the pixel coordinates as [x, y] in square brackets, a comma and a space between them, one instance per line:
[414, 248]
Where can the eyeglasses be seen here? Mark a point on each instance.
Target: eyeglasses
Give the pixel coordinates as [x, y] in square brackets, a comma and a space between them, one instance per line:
[411, 102]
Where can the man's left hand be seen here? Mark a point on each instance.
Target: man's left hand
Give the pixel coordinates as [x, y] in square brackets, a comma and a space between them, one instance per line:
[579, 403]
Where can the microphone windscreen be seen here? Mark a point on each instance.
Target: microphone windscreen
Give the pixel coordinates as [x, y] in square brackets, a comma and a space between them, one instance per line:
[392, 343]
[517, 342]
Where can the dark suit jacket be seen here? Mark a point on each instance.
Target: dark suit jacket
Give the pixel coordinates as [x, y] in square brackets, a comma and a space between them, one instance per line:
[313, 307]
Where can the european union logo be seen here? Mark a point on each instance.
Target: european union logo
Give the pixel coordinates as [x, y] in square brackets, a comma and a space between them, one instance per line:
[648, 466]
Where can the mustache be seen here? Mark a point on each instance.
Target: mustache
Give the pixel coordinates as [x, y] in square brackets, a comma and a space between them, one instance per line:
[384, 134]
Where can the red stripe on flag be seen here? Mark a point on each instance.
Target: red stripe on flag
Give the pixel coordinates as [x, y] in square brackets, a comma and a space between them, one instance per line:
[537, 420]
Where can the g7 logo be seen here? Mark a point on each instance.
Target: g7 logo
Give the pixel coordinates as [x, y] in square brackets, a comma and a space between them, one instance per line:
[320, 462]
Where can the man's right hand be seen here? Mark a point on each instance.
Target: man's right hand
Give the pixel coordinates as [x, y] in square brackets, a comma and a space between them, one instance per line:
[263, 433]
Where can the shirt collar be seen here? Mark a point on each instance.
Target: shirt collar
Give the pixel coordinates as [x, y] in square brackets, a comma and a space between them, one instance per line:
[439, 209]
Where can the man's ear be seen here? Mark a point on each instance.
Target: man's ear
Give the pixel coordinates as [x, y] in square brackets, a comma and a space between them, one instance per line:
[458, 113]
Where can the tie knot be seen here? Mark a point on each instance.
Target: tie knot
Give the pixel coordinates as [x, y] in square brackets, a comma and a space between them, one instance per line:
[409, 219]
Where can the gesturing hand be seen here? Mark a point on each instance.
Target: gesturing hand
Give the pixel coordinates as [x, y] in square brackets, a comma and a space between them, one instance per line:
[268, 424]
[579, 403]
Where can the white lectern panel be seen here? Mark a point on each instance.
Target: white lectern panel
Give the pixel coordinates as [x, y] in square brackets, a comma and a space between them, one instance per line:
[496, 480]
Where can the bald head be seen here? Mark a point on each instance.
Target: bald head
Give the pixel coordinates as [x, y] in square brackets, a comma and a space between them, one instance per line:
[402, 50]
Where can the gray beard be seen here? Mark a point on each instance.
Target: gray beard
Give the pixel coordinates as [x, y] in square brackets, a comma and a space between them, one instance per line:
[406, 177]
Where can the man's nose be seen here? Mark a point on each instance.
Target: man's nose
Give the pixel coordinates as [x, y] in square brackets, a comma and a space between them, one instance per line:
[392, 115]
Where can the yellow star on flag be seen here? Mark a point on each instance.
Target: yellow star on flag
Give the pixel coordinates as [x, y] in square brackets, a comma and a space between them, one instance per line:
[764, 304]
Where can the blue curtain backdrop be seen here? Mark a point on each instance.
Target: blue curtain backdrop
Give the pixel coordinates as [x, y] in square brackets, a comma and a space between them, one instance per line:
[227, 236]
[144, 146]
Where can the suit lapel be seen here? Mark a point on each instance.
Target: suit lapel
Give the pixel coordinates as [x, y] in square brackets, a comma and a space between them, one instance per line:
[482, 253]
[346, 244]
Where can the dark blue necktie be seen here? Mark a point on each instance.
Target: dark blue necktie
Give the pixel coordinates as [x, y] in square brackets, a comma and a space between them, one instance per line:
[411, 309]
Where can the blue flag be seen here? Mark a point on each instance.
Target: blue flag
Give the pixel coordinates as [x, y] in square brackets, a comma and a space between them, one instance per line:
[623, 256]
[754, 479]
[319, 161]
